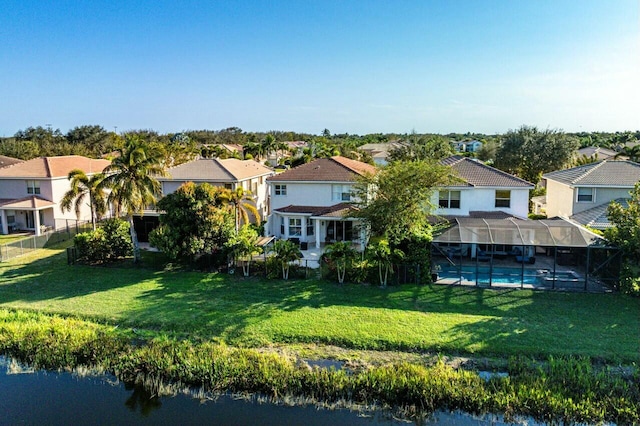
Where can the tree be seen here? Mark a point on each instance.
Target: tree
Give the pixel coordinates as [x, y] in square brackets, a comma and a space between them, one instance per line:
[488, 151]
[244, 245]
[286, 252]
[395, 203]
[529, 153]
[625, 233]
[95, 139]
[422, 148]
[340, 254]
[85, 187]
[131, 177]
[383, 255]
[242, 203]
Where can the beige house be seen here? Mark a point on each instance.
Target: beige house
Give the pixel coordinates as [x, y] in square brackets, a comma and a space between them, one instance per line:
[583, 193]
[30, 192]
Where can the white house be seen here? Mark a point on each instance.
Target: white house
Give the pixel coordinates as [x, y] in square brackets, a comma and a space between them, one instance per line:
[482, 190]
[30, 192]
[583, 193]
[467, 146]
[311, 202]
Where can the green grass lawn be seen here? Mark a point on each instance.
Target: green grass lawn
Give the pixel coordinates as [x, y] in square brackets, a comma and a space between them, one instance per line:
[257, 312]
[11, 238]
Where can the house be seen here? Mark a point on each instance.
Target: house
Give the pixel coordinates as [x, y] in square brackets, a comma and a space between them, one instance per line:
[483, 191]
[582, 193]
[31, 191]
[380, 151]
[7, 161]
[467, 146]
[598, 153]
[311, 203]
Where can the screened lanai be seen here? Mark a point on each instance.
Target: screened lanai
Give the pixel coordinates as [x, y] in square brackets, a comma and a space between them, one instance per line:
[553, 254]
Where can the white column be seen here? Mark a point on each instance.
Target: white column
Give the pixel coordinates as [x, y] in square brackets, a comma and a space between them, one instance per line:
[303, 230]
[5, 225]
[317, 233]
[36, 221]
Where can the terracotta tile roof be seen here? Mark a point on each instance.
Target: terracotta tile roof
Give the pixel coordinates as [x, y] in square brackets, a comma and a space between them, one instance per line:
[475, 173]
[30, 202]
[53, 167]
[334, 169]
[337, 210]
[618, 174]
[596, 217]
[228, 170]
[7, 161]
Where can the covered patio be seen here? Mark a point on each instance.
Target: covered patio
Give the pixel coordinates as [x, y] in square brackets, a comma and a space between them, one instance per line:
[537, 254]
[31, 213]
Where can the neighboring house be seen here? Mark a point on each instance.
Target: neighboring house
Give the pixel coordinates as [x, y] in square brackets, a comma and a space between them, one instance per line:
[380, 151]
[311, 203]
[30, 192]
[483, 191]
[598, 153]
[582, 193]
[7, 161]
[467, 146]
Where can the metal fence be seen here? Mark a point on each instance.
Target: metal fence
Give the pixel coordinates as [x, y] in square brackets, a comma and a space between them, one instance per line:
[66, 231]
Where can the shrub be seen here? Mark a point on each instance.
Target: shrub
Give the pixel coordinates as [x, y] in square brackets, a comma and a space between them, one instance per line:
[630, 279]
[109, 242]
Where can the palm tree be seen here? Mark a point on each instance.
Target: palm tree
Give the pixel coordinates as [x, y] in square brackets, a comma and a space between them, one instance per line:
[131, 177]
[286, 252]
[244, 245]
[83, 186]
[242, 203]
[341, 254]
[381, 253]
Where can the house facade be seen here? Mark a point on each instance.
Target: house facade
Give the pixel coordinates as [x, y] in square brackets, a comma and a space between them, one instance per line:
[583, 193]
[311, 203]
[481, 189]
[30, 192]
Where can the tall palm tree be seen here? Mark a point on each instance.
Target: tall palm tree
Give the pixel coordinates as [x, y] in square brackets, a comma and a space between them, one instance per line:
[131, 177]
[341, 254]
[82, 187]
[242, 203]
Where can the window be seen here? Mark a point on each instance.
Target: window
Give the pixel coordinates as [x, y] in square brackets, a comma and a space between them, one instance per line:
[295, 227]
[449, 199]
[280, 189]
[503, 198]
[228, 186]
[282, 226]
[310, 227]
[254, 187]
[585, 195]
[341, 192]
[33, 187]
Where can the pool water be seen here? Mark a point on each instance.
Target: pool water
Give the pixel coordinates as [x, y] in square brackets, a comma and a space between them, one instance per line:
[502, 275]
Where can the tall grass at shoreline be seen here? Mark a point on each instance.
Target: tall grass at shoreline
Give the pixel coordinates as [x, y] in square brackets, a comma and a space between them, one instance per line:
[561, 389]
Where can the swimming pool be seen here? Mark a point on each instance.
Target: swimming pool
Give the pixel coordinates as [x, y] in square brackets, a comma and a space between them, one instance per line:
[504, 275]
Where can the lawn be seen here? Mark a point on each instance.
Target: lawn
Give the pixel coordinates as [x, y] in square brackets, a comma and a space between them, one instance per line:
[259, 312]
[11, 238]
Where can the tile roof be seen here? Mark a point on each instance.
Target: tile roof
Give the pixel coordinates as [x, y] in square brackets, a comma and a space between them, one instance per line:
[475, 173]
[337, 210]
[596, 217]
[7, 161]
[334, 169]
[53, 167]
[618, 174]
[596, 152]
[228, 170]
[30, 202]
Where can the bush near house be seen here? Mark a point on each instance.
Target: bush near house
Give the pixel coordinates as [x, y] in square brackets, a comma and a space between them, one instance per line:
[109, 242]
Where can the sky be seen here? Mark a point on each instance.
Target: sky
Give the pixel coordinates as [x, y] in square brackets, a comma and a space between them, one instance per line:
[349, 66]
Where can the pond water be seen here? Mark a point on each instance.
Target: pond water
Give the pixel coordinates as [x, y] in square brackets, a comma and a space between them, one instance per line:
[39, 398]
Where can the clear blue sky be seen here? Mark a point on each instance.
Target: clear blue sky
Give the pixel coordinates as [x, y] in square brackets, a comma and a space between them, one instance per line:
[349, 66]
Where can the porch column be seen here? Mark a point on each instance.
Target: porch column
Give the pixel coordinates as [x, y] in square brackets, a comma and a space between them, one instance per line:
[3, 219]
[303, 230]
[36, 221]
[318, 233]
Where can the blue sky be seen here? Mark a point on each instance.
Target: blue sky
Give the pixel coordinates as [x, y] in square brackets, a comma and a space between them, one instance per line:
[305, 65]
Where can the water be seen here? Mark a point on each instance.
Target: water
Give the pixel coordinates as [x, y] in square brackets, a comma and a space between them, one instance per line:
[46, 398]
[503, 275]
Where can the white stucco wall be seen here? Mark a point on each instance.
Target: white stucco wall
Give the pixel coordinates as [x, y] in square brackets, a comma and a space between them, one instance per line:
[304, 194]
[601, 196]
[562, 200]
[483, 199]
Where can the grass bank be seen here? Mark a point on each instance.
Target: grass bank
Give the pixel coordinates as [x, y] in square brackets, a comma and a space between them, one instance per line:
[565, 389]
[256, 312]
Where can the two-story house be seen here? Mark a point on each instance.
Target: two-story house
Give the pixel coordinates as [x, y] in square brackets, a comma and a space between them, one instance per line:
[583, 193]
[311, 202]
[30, 192]
[481, 190]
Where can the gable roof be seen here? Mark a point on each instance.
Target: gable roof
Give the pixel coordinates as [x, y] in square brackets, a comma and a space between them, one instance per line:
[619, 174]
[7, 161]
[477, 174]
[596, 217]
[32, 202]
[53, 167]
[334, 169]
[227, 170]
[597, 152]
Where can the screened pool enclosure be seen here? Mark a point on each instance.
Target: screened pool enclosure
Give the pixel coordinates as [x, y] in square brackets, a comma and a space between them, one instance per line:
[546, 254]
